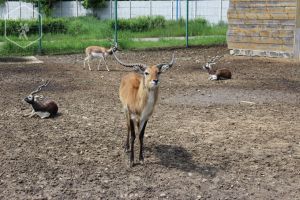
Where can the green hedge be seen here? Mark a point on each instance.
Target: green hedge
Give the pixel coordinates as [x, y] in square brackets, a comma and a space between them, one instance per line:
[140, 24]
[50, 25]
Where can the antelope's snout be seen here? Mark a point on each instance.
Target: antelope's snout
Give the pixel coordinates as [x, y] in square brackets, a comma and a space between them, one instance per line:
[26, 99]
[155, 82]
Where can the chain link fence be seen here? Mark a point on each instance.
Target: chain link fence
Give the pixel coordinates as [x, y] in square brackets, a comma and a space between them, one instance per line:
[211, 10]
[71, 27]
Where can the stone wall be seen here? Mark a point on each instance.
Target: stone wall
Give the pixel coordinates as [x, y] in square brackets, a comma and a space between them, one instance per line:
[262, 28]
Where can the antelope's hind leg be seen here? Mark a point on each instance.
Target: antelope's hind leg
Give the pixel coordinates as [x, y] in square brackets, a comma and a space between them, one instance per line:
[98, 67]
[126, 144]
[142, 128]
[43, 115]
[105, 64]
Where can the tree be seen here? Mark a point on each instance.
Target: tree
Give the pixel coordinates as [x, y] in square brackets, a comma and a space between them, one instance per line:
[46, 5]
[93, 3]
[2, 2]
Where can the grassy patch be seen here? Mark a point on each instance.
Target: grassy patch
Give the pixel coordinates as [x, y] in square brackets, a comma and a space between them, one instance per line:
[86, 31]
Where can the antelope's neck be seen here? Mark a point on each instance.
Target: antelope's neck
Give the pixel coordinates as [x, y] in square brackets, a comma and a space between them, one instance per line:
[148, 100]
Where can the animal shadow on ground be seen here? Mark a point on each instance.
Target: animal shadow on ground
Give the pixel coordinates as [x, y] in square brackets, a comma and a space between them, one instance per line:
[177, 157]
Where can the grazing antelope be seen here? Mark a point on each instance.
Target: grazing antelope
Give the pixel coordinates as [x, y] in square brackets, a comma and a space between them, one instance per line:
[92, 52]
[219, 74]
[43, 109]
[138, 94]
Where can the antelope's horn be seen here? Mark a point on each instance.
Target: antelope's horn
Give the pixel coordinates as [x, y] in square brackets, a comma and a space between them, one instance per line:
[134, 65]
[167, 65]
[40, 87]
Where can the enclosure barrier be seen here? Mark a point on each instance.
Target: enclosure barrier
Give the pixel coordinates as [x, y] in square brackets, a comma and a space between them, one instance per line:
[211, 10]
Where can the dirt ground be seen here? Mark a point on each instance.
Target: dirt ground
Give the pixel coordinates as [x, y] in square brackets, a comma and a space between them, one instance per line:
[233, 139]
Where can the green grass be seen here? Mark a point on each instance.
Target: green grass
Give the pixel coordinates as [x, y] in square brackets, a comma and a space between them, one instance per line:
[87, 31]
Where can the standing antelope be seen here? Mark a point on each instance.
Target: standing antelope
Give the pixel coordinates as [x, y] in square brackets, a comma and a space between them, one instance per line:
[43, 109]
[219, 74]
[92, 52]
[138, 94]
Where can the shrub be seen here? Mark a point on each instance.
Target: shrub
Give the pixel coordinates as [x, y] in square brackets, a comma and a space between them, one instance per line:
[76, 28]
[49, 25]
[140, 24]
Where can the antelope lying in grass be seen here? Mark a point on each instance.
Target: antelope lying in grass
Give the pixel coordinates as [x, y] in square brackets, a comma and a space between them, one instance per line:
[219, 74]
[92, 52]
[43, 109]
[138, 94]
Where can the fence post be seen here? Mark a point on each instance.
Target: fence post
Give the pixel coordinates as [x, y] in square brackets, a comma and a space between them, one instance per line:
[110, 8]
[116, 20]
[187, 24]
[20, 9]
[60, 5]
[177, 10]
[40, 29]
[297, 33]
[195, 9]
[172, 7]
[7, 9]
[150, 8]
[76, 8]
[130, 9]
[221, 10]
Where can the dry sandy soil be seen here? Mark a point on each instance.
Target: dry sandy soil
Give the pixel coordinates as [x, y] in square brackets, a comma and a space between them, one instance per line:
[233, 139]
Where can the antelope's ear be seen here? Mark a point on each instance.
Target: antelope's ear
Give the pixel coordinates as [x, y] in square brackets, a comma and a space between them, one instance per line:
[163, 67]
[139, 69]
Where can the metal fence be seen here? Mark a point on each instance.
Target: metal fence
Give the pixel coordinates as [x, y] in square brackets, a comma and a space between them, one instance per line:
[212, 10]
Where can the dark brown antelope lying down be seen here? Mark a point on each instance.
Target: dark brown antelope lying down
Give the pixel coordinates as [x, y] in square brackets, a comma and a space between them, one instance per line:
[43, 109]
[218, 74]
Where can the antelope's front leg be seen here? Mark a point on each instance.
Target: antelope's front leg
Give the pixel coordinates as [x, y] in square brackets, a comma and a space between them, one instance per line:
[132, 138]
[30, 115]
[105, 64]
[141, 137]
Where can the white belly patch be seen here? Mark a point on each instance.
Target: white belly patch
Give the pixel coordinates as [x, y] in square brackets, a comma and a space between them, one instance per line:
[97, 55]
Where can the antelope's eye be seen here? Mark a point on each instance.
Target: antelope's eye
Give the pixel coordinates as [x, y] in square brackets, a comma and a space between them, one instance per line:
[146, 73]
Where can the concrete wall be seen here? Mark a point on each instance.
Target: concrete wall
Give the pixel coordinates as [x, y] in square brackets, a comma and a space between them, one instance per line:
[69, 9]
[212, 10]
[18, 10]
[208, 9]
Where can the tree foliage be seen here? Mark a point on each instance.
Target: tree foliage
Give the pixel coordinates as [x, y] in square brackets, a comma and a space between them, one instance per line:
[93, 4]
[2, 2]
[46, 5]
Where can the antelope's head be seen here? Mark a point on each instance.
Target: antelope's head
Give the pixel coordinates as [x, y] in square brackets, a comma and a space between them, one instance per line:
[113, 49]
[151, 73]
[32, 97]
[210, 62]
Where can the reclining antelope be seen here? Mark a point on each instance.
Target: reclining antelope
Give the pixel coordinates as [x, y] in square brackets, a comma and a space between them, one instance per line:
[219, 74]
[43, 109]
[138, 94]
[92, 52]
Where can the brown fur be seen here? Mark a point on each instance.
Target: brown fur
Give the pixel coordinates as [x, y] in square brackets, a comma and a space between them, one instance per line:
[98, 50]
[134, 90]
[138, 94]
[223, 73]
